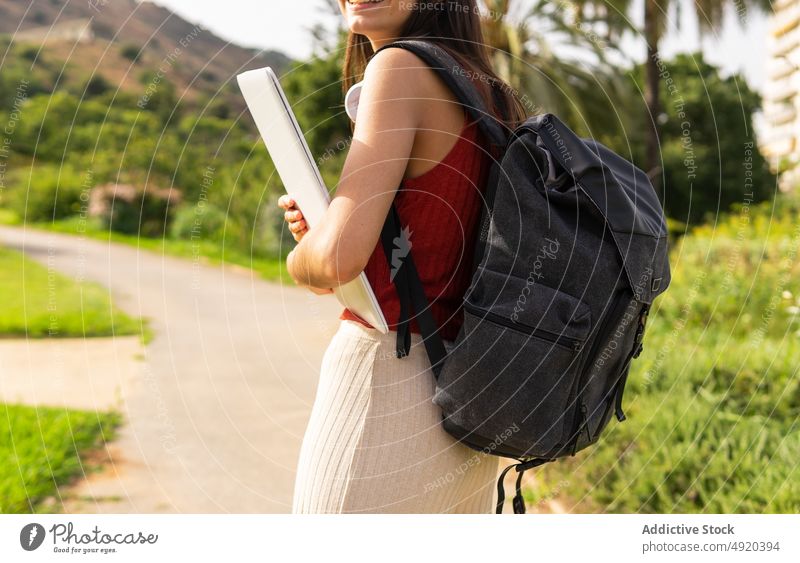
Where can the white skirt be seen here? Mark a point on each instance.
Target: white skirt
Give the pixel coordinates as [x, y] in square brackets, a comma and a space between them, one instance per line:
[375, 442]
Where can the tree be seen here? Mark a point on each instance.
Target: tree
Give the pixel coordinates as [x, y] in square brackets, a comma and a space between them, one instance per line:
[97, 85]
[130, 52]
[558, 60]
[159, 95]
[708, 148]
[314, 88]
[709, 15]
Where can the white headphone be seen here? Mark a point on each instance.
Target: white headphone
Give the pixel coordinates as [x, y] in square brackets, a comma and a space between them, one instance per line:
[351, 100]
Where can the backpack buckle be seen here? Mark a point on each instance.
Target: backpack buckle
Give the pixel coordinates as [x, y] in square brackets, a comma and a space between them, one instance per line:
[518, 504]
[639, 337]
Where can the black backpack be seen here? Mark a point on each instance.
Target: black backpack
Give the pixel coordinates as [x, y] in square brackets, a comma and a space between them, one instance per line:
[571, 251]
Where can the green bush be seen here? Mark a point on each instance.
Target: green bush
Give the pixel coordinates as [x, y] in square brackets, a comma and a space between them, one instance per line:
[201, 221]
[315, 91]
[130, 52]
[97, 85]
[29, 52]
[47, 192]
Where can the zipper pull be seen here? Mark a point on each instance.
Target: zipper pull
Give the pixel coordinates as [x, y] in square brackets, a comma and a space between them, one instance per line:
[637, 341]
[584, 420]
[581, 425]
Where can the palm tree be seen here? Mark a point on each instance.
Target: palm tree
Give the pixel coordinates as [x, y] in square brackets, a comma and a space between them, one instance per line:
[579, 83]
[709, 16]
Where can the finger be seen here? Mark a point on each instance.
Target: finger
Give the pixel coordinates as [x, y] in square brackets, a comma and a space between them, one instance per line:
[285, 201]
[292, 215]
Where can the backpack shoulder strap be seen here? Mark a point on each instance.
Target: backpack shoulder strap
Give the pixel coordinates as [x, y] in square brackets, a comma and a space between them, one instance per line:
[412, 298]
[406, 279]
[455, 77]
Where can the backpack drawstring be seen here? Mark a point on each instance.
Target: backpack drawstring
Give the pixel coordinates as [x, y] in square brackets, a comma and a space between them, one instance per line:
[518, 503]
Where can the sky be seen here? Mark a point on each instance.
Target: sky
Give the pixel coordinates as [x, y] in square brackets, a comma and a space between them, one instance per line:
[283, 26]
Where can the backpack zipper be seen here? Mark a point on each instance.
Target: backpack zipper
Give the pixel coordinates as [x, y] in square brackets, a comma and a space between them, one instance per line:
[559, 339]
[583, 424]
[613, 313]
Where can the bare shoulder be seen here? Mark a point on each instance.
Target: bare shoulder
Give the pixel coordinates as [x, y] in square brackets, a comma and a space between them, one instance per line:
[402, 72]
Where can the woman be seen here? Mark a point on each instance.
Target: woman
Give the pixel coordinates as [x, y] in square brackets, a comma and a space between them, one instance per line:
[374, 442]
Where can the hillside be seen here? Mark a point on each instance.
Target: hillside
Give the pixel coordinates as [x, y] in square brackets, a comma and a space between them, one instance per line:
[127, 102]
[103, 37]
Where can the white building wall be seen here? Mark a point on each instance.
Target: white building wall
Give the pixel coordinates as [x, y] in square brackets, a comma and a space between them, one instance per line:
[781, 94]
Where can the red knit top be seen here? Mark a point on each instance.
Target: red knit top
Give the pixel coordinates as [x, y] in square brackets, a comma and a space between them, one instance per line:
[441, 209]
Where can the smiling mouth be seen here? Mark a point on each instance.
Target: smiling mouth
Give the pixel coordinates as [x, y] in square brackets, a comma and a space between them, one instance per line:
[364, 3]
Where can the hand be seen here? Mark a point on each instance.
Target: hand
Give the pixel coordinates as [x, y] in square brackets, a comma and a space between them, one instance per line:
[293, 216]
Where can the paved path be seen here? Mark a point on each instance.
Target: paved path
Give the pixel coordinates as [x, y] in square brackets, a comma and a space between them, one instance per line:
[215, 421]
[92, 374]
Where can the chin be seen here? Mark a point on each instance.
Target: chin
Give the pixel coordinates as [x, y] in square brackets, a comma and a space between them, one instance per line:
[366, 25]
[381, 20]
[368, 31]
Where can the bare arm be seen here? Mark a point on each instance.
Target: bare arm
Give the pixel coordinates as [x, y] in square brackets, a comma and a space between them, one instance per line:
[390, 109]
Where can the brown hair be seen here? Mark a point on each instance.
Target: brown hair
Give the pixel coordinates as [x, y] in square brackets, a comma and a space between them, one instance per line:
[454, 25]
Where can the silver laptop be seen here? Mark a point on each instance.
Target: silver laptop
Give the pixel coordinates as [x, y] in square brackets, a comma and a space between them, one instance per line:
[300, 176]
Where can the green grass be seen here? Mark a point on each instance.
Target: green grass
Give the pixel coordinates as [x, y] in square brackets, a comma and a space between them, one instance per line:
[43, 448]
[8, 217]
[713, 403]
[38, 303]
